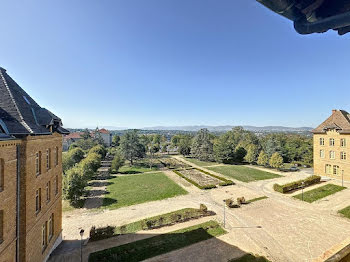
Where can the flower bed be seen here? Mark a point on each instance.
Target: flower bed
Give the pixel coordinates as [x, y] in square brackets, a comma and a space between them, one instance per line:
[198, 178]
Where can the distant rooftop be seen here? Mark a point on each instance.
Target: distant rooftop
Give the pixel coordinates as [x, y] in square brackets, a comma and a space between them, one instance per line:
[21, 115]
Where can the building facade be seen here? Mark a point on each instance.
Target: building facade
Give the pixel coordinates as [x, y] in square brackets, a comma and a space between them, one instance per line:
[332, 146]
[30, 176]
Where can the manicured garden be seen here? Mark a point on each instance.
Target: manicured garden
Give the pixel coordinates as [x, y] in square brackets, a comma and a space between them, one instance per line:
[345, 212]
[137, 189]
[243, 173]
[173, 163]
[319, 193]
[168, 219]
[158, 245]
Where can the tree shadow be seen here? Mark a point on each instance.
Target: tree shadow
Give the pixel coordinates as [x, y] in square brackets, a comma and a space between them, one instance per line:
[129, 172]
[100, 184]
[107, 201]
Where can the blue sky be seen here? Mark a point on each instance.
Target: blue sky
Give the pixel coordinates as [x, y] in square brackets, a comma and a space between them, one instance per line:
[137, 63]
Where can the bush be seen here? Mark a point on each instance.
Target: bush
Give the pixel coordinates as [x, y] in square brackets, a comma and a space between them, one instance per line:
[297, 184]
[203, 208]
[72, 157]
[241, 200]
[99, 149]
[118, 162]
[101, 233]
[73, 185]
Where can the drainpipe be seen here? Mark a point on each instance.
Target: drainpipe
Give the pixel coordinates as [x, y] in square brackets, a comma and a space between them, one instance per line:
[18, 190]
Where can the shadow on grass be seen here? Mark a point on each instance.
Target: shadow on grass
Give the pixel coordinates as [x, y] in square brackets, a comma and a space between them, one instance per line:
[107, 201]
[99, 184]
[130, 172]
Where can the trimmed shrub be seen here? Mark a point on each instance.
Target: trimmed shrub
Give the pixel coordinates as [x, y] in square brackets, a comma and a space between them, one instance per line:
[241, 200]
[203, 208]
[297, 184]
[117, 162]
[99, 149]
[101, 233]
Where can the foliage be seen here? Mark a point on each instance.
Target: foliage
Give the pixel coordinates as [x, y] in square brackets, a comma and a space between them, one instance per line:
[276, 160]
[160, 244]
[73, 185]
[252, 153]
[117, 162]
[72, 157]
[86, 134]
[100, 150]
[116, 140]
[202, 146]
[345, 212]
[297, 184]
[263, 158]
[256, 199]
[85, 144]
[240, 153]
[184, 145]
[131, 146]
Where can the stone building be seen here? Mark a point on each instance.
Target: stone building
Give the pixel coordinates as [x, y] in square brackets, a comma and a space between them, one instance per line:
[30, 176]
[331, 146]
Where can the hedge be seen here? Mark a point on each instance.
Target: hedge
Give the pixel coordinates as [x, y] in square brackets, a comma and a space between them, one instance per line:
[226, 182]
[194, 183]
[297, 184]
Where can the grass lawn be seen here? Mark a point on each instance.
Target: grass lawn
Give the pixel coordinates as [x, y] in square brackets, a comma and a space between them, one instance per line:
[249, 258]
[345, 212]
[200, 163]
[161, 244]
[243, 173]
[131, 190]
[136, 169]
[321, 192]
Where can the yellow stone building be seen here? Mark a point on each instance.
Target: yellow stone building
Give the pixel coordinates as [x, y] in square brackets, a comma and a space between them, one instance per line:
[30, 176]
[331, 146]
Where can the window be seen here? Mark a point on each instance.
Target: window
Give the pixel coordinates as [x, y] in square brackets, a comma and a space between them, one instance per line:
[343, 155]
[38, 163]
[51, 227]
[335, 170]
[38, 200]
[48, 191]
[322, 153]
[56, 156]
[331, 142]
[48, 159]
[2, 172]
[56, 185]
[322, 141]
[343, 142]
[328, 169]
[44, 236]
[331, 154]
[1, 226]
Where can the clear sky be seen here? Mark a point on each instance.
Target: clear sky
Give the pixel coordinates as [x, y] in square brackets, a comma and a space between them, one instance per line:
[137, 63]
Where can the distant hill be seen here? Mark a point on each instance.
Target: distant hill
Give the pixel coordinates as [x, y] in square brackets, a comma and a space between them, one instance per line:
[263, 129]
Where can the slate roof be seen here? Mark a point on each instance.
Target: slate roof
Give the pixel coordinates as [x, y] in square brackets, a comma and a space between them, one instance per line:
[20, 114]
[339, 120]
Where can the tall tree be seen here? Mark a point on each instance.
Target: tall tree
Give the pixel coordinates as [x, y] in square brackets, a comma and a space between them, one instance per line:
[224, 149]
[116, 140]
[263, 159]
[276, 160]
[184, 145]
[202, 147]
[131, 146]
[86, 134]
[252, 154]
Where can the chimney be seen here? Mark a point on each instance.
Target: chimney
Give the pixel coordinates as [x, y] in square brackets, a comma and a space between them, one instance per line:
[334, 110]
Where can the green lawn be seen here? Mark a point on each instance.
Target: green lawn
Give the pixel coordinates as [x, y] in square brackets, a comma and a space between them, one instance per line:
[345, 212]
[257, 199]
[321, 192]
[136, 189]
[200, 163]
[136, 169]
[249, 258]
[161, 244]
[243, 173]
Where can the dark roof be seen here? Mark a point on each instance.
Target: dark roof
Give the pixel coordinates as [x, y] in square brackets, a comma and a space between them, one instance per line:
[339, 120]
[20, 114]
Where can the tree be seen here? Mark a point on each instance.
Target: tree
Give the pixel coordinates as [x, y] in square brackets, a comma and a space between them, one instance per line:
[99, 149]
[202, 147]
[98, 137]
[130, 146]
[117, 162]
[263, 159]
[116, 140]
[224, 150]
[276, 160]
[85, 144]
[164, 146]
[252, 153]
[86, 134]
[73, 185]
[184, 145]
[240, 153]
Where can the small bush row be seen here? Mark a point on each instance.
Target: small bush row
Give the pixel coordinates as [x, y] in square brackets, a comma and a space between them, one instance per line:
[168, 219]
[297, 184]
